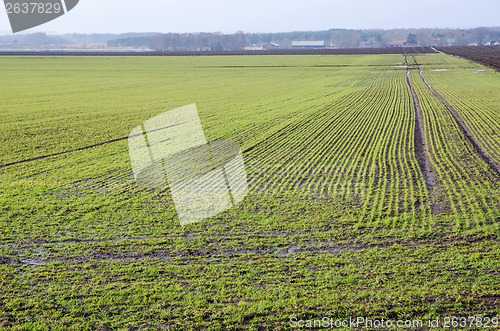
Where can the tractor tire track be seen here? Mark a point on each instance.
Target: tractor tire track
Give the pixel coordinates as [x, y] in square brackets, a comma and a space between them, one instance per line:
[421, 151]
[38, 158]
[205, 256]
[494, 166]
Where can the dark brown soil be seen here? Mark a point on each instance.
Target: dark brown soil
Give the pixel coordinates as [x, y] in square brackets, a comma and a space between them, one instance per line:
[486, 55]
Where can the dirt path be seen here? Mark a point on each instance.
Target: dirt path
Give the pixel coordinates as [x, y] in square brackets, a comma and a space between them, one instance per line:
[495, 166]
[421, 151]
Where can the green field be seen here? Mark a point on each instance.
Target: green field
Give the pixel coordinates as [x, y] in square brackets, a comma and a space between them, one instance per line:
[340, 220]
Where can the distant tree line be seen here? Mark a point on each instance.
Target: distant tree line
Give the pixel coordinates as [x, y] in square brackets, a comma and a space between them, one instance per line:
[338, 38]
[130, 42]
[198, 41]
[41, 39]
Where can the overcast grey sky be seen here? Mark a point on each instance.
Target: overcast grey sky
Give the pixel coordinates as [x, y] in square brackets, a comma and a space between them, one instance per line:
[229, 16]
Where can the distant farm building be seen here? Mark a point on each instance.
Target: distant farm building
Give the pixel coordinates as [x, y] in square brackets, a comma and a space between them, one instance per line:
[262, 47]
[308, 44]
[397, 43]
[435, 41]
[253, 48]
[402, 43]
[271, 46]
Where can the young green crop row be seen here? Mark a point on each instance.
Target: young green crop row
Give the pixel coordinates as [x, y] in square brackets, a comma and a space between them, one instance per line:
[340, 128]
[357, 147]
[469, 185]
[474, 97]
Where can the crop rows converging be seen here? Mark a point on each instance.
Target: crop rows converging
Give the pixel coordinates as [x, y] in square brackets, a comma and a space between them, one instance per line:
[342, 130]
[358, 148]
[477, 106]
[469, 185]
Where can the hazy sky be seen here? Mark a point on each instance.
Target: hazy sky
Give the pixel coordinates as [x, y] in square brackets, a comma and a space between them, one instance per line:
[229, 16]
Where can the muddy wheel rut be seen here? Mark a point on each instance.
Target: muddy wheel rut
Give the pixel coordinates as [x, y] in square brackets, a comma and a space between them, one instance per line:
[421, 150]
[424, 155]
[494, 166]
[204, 256]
